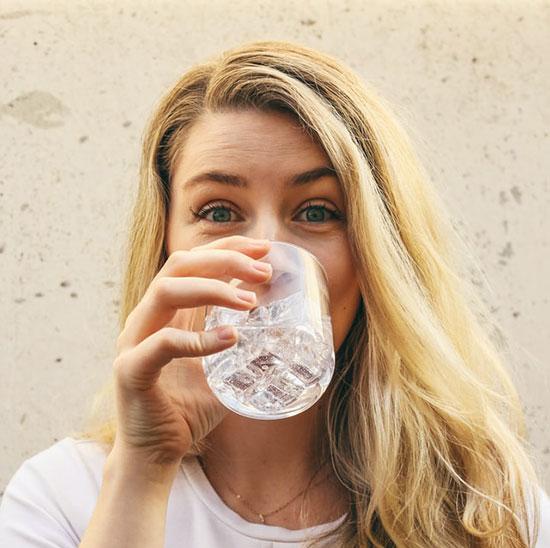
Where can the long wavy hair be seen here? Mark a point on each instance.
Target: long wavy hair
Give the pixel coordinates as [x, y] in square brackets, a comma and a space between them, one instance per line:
[424, 424]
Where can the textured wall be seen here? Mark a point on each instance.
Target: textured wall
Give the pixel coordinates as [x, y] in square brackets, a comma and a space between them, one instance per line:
[77, 83]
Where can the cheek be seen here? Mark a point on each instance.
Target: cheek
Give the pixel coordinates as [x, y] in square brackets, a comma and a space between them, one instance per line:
[178, 235]
[344, 295]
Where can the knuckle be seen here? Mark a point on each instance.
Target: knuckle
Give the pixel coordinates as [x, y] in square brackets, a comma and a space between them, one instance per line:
[128, 319]
[220, 289]
[177, 259]
[226, 264]
[196, 344]
[174, 342]
[248, 262]
[119, 366]
[167, 342]
[161, 289]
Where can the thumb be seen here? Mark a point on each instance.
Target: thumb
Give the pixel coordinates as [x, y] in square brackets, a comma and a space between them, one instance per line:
[218, 339]
[144, 362]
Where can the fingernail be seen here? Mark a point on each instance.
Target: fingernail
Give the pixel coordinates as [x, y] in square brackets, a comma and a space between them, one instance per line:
[262, 267]
[247, 296]
[260, 243]
[227, 333]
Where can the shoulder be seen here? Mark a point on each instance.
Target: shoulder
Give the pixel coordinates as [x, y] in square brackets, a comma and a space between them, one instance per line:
[69, 464]
[68, 450]
[55, 490]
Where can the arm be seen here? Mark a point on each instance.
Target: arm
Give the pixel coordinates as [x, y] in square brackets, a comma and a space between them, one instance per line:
[163, 406]
[162, 411]
[131, 508]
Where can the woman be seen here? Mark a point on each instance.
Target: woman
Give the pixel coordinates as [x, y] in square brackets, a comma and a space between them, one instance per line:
[415, 443]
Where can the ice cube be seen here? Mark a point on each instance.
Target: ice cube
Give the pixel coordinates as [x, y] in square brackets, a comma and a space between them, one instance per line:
[247, 345]
[258, 316]
[289, 377]
[282, 393]
[218, 364]
[307, 343]
[272, 398]
[308, 375]
[239, 381]
[326, 352]
[264, 364]
[287, 311]
[289, 384]
[220, 315]
[263, 401]
[281, 341]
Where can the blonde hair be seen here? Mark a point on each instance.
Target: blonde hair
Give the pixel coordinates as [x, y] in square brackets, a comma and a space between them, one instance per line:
[424, 424]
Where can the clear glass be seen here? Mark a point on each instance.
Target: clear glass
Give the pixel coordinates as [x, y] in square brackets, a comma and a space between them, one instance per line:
[284, 357]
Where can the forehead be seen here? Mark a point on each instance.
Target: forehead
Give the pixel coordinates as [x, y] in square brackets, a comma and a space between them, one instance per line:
[248, 140]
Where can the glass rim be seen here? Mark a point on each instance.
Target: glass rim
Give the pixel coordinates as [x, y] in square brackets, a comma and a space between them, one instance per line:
[300, 249]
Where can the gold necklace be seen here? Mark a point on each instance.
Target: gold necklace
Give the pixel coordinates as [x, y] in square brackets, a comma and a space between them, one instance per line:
[263, 515]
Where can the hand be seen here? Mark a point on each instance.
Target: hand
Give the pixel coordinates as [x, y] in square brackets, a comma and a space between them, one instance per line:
[164, 404]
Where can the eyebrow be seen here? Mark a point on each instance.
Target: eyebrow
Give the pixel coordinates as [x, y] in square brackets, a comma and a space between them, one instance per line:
[240, 182]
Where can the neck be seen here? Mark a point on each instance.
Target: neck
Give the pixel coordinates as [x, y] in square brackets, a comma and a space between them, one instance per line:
[260, 453]
[269, 471]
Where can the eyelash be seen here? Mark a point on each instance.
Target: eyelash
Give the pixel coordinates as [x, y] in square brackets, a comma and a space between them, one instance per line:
[203, 212]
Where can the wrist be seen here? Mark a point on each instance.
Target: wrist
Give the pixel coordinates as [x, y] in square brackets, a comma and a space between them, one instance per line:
[140, 470]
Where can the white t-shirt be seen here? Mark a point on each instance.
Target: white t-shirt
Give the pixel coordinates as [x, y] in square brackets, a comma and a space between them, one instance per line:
[49, 502]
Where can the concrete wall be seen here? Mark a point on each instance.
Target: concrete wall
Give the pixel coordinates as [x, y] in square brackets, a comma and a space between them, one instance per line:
[78, 80]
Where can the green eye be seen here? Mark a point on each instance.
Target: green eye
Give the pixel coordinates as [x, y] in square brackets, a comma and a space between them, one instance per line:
[220, 213]
[317, 213]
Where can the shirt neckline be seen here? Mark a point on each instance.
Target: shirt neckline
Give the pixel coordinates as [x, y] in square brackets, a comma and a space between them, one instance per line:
[200, 484]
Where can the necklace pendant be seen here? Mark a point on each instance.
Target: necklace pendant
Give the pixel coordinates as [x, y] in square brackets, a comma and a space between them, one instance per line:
[262, 519]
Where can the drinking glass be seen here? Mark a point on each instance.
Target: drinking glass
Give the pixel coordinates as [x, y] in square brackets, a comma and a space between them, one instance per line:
[284, 357]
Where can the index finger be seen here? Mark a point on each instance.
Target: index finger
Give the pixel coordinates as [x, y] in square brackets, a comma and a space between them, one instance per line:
[253, 248]
[249, 246]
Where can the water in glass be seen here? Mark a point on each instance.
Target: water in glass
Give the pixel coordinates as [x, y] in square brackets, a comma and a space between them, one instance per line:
[280, 364]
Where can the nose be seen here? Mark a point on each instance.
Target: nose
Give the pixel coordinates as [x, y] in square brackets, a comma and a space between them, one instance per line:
[268, 227]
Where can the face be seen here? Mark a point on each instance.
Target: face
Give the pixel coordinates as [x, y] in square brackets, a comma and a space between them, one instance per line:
[286, 191]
